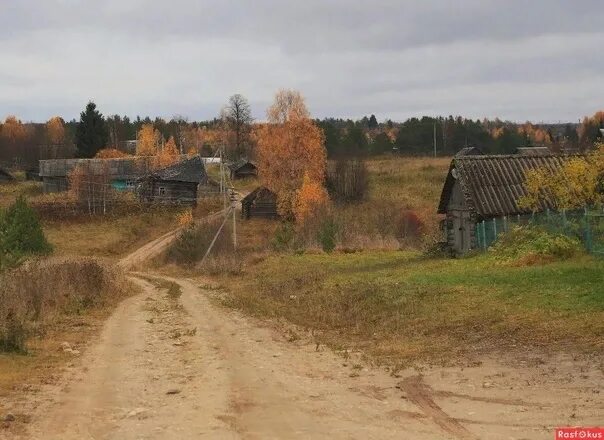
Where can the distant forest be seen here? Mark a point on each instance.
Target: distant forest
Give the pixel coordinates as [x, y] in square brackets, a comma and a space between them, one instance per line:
[24, 143]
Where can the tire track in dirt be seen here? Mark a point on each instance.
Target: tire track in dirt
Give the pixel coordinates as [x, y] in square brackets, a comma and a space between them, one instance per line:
[422, 396]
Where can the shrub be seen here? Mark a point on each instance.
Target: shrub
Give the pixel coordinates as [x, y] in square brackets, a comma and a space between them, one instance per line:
[530, 244]
[193, 243]
[409, 227]
[284, 236]
[347, 179]
[327, 235]
[36, 292]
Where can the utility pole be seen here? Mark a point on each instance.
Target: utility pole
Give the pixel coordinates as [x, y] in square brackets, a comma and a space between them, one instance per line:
[233, 196]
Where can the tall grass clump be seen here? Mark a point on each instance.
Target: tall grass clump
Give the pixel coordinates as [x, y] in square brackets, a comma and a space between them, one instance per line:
[37, 292]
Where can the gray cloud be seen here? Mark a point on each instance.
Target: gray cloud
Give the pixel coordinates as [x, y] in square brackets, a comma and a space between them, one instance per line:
[517, 60]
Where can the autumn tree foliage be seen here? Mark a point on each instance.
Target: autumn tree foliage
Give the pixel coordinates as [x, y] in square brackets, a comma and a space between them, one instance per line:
[579, 183]
[110, 153]
[589, 130]
[149, 141]
[55, 130]
[311, 201]
[167, 155]
[13, 131]
[290, 149]
[91, 188]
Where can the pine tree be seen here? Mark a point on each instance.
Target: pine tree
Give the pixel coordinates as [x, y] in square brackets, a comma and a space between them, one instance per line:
[21, 232]
[373, 123]
[92, 134]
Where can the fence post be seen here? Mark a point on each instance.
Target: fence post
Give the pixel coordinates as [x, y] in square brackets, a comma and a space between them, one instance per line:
[494, 228]
[484, 235]
[588, 243]
[505, 223]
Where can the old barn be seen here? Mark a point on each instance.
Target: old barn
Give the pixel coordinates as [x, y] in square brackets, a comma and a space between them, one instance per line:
[242, 168]
[481, 188]
[177, 183]
[261, 202]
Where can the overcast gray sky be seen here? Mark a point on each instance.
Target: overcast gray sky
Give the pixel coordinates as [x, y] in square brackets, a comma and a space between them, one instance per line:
[540, 60]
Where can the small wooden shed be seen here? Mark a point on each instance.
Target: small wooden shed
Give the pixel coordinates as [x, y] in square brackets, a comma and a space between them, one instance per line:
[242, 168]
[175, 184]
[261, 202]
[481, 188]
[5, 176]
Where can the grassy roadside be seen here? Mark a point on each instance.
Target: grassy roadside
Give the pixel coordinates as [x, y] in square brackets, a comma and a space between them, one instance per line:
[400, 307]
[49, 311]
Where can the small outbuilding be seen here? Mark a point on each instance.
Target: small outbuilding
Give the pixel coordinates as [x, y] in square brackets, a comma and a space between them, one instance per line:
[261, 202]
[242, 168]
[175, 184]
[469, 151]
[5, 176]
[481, 188]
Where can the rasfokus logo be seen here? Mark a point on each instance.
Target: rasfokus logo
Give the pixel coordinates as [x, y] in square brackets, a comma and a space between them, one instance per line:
[579, 433]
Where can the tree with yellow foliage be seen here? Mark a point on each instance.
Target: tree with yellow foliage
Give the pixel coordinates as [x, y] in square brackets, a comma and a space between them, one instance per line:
[149, 141]
[290, 148]
[55, 130]
[13, 131]
[579, 183]
[168, 154]
[110, 153]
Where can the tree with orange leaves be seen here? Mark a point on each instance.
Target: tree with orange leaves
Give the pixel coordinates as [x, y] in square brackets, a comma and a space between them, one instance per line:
[311, 201]
[290, 148]
[168, 155]
[55, 130]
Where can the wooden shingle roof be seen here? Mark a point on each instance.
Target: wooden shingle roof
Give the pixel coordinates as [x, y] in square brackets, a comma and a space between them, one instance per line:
[492, 185]
[188, 170]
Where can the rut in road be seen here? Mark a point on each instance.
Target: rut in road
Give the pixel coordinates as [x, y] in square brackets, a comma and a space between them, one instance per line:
[181, 368]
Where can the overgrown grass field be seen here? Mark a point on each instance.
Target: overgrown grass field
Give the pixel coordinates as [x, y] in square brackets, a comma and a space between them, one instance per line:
[400, 307]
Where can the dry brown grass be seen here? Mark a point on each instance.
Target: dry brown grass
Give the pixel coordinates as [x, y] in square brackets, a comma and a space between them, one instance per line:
[111, 237]
[38, 292]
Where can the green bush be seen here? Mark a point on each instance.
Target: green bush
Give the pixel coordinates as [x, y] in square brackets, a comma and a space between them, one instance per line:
[326, 235]
[525, 242]
[20, 234]
[285, 235]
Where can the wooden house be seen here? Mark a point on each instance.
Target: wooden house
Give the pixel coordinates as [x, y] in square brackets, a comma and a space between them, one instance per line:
[122, 173]
[5, 176]
[175, 184]
[242, 168]
[261, 202]
[480, 188]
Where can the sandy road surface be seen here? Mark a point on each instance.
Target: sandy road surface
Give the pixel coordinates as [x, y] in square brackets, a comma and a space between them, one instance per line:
[183, 368]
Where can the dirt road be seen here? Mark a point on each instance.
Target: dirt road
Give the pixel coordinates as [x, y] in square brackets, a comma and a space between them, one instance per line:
[169, 367]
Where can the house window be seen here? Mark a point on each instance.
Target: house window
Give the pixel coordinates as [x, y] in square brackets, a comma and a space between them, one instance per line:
[162, 191]
[130, 184]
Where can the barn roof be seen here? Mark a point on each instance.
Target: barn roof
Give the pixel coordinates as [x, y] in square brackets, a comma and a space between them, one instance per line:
[6, 174]
[492, 185]
[262, 192]
[469, 151]
[533, 151]
[189, 170]
[234, 166]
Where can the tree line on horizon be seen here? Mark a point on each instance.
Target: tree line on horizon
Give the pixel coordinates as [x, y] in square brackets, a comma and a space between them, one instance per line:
[236, 130]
